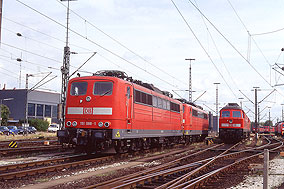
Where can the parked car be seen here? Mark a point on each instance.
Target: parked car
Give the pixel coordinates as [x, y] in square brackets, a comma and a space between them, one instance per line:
[13, 129]
[53, 128]
[31, 129]
[22, 130]
[4, 130]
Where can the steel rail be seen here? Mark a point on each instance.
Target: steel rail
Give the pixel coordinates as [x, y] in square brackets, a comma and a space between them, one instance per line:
[202, 179]
[34, 171]
[118, 181]
[29, 149]
[139, 181]
[37, 163]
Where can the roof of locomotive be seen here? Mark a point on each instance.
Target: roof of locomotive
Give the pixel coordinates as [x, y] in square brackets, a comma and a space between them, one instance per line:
[123, 76]
[232, 106]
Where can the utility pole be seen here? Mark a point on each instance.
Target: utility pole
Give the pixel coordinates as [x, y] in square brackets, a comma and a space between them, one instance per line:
[269, 116]
[241, 102]
[217, 112]
[27, 92]
[282, 112]
[255, 110]
[1, 5]
[65, 72]
[190, 84]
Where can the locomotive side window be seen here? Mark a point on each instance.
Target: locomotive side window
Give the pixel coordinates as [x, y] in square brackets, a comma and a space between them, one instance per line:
[78, 88]
[160, 104]
[225, 113]
[128, 92]
[205, 116]
[164, 104]
[168, 105]
[155, 101]
[103, 88]
[175, 107]
[195, 113]
[149, 99]
[237, 114]
[137, 96]
[143, 98]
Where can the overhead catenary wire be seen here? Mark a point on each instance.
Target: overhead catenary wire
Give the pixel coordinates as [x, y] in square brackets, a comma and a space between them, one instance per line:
[208, 55]
[266, 60]
[228, 41]
[217, 49]
[40, 42]
[45, 34]
[119, 43]
[100, 46]
[30, 52]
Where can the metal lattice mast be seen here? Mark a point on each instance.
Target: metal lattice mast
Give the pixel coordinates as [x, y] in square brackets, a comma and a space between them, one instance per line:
[65, 72]
[190, 81]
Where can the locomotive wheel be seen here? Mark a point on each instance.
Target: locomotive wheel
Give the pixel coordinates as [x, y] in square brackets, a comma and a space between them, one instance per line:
[187, 140]
[120, 147]
[117, 147]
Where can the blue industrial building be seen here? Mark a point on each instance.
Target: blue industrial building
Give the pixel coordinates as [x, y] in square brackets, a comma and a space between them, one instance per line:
[41, 104]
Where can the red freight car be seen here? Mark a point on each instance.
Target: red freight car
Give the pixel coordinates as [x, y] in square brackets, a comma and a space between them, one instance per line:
[234, 124]
[110, 109]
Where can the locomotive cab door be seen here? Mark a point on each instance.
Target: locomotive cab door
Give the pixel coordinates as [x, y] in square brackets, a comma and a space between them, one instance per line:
[129, 106]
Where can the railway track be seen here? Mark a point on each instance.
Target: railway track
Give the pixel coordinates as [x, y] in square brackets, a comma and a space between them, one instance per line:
[176, 162]
[25, 143]
[37, 167]
[51, 167]
[26, 150]
[12, 171]
[190, 175]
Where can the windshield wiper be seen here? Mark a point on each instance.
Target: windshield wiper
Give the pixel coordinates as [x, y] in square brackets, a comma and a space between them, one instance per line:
[106, 92]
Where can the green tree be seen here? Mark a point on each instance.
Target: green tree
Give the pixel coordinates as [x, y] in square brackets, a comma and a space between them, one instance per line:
[39, 124]
[268, 123]
[5, 113]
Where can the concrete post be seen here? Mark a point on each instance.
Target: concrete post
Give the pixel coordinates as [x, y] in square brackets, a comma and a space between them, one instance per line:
[265, 169]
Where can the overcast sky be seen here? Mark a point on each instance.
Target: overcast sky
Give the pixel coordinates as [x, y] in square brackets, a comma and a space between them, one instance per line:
[235, 43]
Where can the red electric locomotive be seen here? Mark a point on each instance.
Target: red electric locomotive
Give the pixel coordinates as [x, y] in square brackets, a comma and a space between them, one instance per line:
[234, 124]
[195, 122]
[110, 109]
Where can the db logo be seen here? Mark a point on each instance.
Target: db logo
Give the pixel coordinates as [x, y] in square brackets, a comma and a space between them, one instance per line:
[88, 111]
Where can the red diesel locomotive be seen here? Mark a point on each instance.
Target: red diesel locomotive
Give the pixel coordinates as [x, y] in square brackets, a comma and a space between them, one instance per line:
[279, 129]
[110, 109]
[234, 124]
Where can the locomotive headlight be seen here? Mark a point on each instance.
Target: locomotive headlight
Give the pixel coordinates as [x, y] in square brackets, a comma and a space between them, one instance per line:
[68, 123]
[88, 98]
[100, 124]
[74, 124]
[107, 124]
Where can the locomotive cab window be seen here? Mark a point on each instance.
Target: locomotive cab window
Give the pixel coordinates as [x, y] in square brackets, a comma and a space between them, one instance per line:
[103, 88]
[78, 88]
[237, 114]
[226, 114]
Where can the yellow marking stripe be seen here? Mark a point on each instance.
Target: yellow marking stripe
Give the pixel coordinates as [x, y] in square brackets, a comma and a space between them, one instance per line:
[13, 144]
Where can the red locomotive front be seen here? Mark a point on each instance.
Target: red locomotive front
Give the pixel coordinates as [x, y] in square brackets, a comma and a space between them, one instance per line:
[111, 110]
[234, 124]
[279, 129]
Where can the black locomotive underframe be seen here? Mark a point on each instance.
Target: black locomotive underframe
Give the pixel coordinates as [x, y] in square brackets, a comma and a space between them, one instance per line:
[97, 140]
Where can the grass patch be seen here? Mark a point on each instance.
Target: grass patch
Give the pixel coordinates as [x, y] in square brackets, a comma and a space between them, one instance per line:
[42, 180]
[38, 135]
